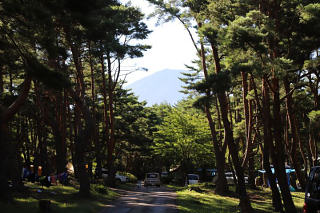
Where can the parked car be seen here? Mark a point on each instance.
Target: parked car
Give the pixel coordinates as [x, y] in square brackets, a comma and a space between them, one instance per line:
[119, 178]
[152, 179]
[192, 179]
[229, 177]
[312, 195]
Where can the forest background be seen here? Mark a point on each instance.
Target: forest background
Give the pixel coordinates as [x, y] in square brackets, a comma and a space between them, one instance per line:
[253, 92]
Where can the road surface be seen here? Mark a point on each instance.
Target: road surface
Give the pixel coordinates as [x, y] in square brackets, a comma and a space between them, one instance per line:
[144, 200]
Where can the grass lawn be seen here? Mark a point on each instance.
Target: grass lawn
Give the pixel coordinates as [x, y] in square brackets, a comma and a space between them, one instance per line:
[63, 199]
[205, 201]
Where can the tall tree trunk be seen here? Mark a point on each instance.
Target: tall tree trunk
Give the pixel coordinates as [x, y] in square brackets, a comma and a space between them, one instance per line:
[105, 102]
[83, 136]
[279, 161]
[274, 12]
[219, 120]
[41, 130]
[248, 156]
[111, 142]
[6, 114]
[244, 198]
[10, 83]
[312, 148]
[221, 183]
[295, 134]
[58, 124]
[5, 194]
[1, 79]
[251, 143]
[94, 115]
[268, 147]
[82, 139]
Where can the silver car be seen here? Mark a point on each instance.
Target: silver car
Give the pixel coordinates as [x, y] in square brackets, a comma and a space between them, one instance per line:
[152, 179]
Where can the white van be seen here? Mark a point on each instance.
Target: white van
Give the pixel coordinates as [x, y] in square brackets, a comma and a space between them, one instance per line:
[192, 179]
[152, 179]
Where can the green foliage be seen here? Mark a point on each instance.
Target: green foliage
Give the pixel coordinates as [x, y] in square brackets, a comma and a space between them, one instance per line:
[312, 65]
[310, 13]
[183, 137]
[248, 32]
[51, 78]
[201, 101]
[314, 116]
[217, 83]
[209, 32]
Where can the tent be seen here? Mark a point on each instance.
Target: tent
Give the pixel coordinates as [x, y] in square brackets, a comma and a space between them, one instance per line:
[288, 172]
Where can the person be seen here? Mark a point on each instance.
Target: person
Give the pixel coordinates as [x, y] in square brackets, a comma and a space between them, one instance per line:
[25, 172]
[39, 171]
[32, 176]
[63, 178]
[53, 179]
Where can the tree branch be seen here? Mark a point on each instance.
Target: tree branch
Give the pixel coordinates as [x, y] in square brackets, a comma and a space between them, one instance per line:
[15, 106]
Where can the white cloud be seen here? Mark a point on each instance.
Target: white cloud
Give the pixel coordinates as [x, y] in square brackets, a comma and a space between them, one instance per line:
[171, 47]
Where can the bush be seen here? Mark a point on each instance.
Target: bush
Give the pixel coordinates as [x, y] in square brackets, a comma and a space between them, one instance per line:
[102, 189]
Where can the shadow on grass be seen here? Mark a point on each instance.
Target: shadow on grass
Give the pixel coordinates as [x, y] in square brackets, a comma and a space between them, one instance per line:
[63, 199]
[205, 201]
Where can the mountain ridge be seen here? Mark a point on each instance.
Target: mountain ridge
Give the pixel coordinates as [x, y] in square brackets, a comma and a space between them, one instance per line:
[160, 87]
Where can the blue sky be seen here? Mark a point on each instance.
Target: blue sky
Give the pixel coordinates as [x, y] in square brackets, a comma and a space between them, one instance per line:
[171, 47]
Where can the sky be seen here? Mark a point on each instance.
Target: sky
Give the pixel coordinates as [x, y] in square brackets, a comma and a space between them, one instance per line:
[172, 47]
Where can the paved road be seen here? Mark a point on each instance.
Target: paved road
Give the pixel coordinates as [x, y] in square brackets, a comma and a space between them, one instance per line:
[144, 200]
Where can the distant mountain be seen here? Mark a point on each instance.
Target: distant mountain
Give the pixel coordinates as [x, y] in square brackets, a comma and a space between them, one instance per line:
[162, 86]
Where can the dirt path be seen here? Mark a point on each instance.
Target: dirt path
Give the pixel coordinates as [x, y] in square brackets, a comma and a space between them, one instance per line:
[144, 200]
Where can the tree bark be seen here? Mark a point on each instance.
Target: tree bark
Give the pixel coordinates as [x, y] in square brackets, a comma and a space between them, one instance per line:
[84, 135]
[1, 79]
[5, 116]
[248, 156]
[82, 139]
[221, 184]
[268, 147]
[244, 198]
[279, 161]
[111, 142]
[93, 109]
[295, 134]
[105, 102]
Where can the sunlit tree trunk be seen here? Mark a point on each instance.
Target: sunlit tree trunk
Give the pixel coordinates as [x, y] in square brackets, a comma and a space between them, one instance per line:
[244, 198]
[221, 183]
[279, 161]
[111, 142]
[268, 147]
[293, 154]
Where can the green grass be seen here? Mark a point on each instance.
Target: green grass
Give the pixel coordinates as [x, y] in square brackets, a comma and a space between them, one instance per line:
[63, 199]
[205, 201]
